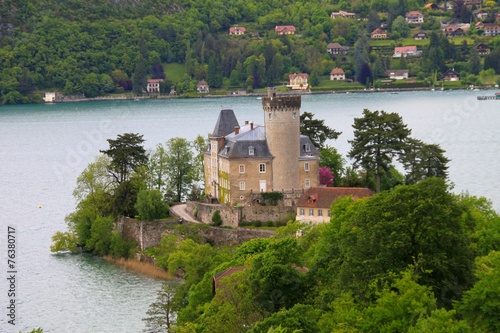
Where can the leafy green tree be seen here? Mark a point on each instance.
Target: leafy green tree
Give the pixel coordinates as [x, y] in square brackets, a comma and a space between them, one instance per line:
[480, 305]
[157, 168]
[378, 138]
[64, 241]
[161, 313]
[400, 26]
[421, 225]
[180, 167]
[440, 321]
[300, 318]
[330, 158]
[127, 154]
[316, 130]
[100, 236]
[150, 205]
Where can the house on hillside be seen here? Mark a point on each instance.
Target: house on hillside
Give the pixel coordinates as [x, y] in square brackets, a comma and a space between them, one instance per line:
[202, 87]
[397, 74]
[480, 14]
[420, 35]
[491, 29]
[405, 51]
[237, 31]
[483, 49]
[298, 81]
[285, 29]
[414, 17]
[337, 74]
[314, 205]
[454, 31]
[153, 85]
[479, 25]
[52, 96]
[342, 14]
[336, 48]
[379, 34]
[243, 161]
[451, 75]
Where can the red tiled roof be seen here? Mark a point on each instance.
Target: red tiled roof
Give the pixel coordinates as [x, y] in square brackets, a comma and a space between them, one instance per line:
[281, 28]
[379, 31]
[302, 75]
[233, 29]
[322, 197]
[404, 49]
[414, 13]
[337, 70]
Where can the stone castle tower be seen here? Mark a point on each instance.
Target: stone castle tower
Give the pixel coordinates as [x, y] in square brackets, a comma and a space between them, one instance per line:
[282, 126]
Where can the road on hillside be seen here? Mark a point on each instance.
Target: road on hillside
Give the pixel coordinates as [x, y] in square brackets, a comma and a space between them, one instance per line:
[180, 210]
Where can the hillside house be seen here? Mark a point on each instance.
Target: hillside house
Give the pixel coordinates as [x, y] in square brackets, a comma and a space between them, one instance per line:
[479, 25]
[153, 85]
[491, 29]
[379, 34]
[337, 74]
[342, 14]
[202, 87]
[414, 17]
[242, 161]
[454, 31]
[405, 51]
[52, 96]
[397, 74]
[298, 81]
[314, 205]
[483, 49]
[237, 31]
[480, 14]
[420, 35]
[336, 48]
[451, 75]
[285, 29]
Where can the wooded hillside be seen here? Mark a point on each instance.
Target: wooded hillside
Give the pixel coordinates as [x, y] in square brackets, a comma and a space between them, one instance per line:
[101, 47]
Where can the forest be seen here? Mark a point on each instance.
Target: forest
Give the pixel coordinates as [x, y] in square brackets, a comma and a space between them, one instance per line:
[98, 48]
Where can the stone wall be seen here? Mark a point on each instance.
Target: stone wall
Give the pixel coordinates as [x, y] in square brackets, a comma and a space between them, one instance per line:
[231, 216]
[145, 233]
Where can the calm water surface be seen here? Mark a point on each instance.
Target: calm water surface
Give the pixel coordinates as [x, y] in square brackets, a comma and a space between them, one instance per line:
[43, 148]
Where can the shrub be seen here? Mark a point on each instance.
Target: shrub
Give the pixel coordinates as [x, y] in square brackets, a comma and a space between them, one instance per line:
[257, 223]
[217, 219]
[269, 223]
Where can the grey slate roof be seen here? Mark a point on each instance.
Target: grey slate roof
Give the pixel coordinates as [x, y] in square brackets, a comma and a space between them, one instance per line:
[313, 151]
[237, 145]
[225, 124]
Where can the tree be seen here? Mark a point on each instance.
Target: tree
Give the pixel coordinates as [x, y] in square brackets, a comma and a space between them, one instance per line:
[316, 129]
[330, 158]
[214, 75]
[139, 79]
[127, 155]
[400, 26]
[480, 305]
[157, 168]
[180, 167]
[161, 314]
[474, 62]
[421, 225]
[325, 176]
[423, 161]
[157, 71]
[361, 58]
[378, 138]
[150, 205]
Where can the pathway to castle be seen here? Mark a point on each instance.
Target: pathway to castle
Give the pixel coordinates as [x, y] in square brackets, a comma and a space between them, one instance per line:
[180, 210]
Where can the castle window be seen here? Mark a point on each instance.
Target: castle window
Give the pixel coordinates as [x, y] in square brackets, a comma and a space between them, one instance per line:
[311, 212]
[320, 212]
[302, 212]
[242, 168]
[308, 183]
[270, 115]
[306, 166]
[242, 186]
[294, 115]
[307, 148]
[262, 168]
[251, 150]
[328, 213]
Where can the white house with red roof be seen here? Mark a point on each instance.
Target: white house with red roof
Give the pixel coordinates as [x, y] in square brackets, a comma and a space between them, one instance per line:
[337, 74]
[414, 17]
[153, 85]
[405, 51]
[298, 81]
[237, 31]
[379, 34]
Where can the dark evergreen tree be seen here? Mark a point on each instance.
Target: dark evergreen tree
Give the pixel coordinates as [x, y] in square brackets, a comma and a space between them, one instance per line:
[157, 71]
[214, 74]
[139, 78]
[316, 130]
[423, 161]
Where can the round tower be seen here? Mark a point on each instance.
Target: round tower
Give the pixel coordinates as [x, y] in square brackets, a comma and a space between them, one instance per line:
[282, 122]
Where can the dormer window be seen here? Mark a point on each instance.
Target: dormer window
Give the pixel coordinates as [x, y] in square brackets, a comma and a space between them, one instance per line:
[226, 150]
[307, 148]
[251, 151]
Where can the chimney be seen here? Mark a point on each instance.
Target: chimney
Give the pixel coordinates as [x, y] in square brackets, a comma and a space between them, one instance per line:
[251, 125]
[236, 130]
[246, 122]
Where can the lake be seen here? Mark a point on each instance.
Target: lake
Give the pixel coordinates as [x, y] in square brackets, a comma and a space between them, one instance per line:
[43, 149]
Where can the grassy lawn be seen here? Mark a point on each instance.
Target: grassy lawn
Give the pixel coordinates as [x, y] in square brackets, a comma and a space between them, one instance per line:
[174, 71]
[326, 84]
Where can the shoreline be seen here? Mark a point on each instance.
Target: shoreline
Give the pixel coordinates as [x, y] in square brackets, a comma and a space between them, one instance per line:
[260, 94]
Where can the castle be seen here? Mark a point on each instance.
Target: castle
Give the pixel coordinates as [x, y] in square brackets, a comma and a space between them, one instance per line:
[242, 161]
